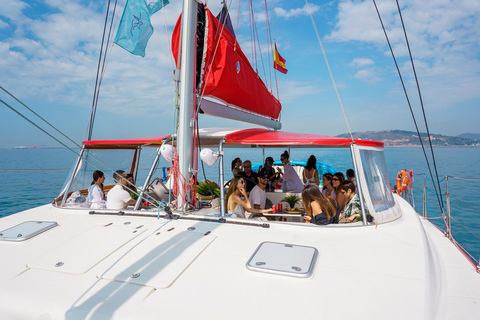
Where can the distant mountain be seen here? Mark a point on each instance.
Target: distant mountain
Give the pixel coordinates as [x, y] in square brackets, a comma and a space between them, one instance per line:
[410, 138]
[475, 136]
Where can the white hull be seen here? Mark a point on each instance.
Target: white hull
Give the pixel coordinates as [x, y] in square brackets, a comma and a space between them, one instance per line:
[405, 269]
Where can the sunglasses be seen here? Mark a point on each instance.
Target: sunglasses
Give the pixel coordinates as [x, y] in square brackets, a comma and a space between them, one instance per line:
[247, 166]
[335, 179]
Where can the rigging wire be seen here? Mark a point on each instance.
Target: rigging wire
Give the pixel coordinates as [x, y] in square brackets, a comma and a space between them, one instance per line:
[256, 42]
[98, 80]
[421, 103]
[269, 45]
[329, 70]
[77, 154]
[410, 106]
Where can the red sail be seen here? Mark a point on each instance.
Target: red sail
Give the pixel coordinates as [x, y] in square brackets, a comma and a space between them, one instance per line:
[230, 77]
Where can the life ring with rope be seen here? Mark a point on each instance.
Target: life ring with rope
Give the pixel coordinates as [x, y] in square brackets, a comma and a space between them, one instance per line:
[402, 181]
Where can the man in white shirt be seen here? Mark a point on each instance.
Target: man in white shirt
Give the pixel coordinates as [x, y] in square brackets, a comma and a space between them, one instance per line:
[118, 197]
[257, 195]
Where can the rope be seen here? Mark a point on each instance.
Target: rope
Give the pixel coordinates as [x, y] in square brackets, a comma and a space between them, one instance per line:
[329, 70]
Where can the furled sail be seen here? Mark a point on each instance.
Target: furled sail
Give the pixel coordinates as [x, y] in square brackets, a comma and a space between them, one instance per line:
[223, 70]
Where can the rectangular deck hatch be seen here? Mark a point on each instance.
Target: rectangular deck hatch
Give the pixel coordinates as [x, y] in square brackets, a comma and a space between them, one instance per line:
[284, 259]
[26, 230]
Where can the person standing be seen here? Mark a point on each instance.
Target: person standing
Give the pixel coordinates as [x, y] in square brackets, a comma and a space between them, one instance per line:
[273, 176]
[236, 166]
[291, 180]
[310, 174]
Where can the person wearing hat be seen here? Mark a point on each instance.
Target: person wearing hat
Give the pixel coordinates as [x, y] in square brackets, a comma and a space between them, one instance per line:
[273, 176]
[257, 195]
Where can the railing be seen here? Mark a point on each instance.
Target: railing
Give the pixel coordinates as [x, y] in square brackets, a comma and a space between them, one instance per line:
[461, 208]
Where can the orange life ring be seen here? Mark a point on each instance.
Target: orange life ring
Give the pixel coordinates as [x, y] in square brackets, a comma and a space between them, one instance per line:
[402, 181]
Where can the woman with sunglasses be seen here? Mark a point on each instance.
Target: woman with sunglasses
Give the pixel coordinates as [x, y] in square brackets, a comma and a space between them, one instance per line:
[328, 190]
[236, 166]
[337, 179]
[237, 199]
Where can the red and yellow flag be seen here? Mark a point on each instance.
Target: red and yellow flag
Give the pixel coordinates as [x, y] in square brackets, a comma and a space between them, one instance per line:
[279, 62]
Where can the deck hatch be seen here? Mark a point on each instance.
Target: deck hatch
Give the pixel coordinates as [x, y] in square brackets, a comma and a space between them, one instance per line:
[284, 259]
[26, 230]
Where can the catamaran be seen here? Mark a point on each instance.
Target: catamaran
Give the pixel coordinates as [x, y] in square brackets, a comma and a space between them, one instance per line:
[169, 256]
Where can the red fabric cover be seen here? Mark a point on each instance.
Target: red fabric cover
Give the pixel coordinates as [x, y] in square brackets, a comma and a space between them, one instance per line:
[278, 138]
[242, 88]
[120, 144]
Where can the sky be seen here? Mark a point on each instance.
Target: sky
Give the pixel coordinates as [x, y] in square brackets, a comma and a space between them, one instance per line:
[49, 53]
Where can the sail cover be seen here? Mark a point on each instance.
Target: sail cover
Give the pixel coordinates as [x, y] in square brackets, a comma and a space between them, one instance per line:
[223, 70]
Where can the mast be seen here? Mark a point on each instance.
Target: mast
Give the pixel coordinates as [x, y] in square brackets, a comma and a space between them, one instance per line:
[185, 143]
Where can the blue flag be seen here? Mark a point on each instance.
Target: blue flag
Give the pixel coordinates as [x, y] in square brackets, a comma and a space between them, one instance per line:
[135, 28]
[155, 5]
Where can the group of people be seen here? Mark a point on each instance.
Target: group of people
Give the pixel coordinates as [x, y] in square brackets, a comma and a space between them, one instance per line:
[336, 202]
[288, 177]
[123, 194]
[324, 209]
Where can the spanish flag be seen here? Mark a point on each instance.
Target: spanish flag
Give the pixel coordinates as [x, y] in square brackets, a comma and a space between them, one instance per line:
[279, 62]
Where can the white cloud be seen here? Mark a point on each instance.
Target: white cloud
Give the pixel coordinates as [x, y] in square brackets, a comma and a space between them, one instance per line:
[3, 24]
[296, 12]
[12, 9]
[361, 62]
[443, 37]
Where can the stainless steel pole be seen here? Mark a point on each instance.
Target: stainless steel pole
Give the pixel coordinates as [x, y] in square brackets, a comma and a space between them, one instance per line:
[186, 119]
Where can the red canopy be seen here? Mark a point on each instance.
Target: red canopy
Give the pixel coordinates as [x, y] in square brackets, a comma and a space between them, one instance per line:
[124, 144]
[264, 137]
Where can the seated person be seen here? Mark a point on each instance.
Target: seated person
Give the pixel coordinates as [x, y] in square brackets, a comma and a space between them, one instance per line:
[96, 197]
[257, 195]
[237, 199]
[349, 203]
[248, 175]
[131, 185]
[319, 210]
[328, 189]
[118, 197]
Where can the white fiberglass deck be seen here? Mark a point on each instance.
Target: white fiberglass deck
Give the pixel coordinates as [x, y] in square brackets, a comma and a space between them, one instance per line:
[404, 269]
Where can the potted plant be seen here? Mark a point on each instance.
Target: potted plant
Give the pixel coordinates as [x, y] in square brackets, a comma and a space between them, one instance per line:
[207, 190]
[291, 199]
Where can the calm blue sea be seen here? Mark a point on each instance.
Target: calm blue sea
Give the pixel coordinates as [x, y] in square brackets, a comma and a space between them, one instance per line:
[32, 177]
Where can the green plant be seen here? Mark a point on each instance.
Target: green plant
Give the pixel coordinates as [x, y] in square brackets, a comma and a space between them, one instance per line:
[291, 199]
[208, 188]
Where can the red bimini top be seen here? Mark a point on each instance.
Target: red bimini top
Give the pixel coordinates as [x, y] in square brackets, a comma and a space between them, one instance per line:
[264, 137]
[125, 144]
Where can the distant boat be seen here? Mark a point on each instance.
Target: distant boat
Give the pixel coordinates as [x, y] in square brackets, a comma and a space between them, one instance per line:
[20, 147]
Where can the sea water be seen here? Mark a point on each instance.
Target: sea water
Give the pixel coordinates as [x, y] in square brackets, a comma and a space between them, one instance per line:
[33, 177]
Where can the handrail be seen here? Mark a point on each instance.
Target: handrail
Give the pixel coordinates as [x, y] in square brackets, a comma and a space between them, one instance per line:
[447, 217]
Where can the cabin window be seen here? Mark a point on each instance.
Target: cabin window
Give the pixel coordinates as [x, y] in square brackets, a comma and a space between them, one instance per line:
[376, 178]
